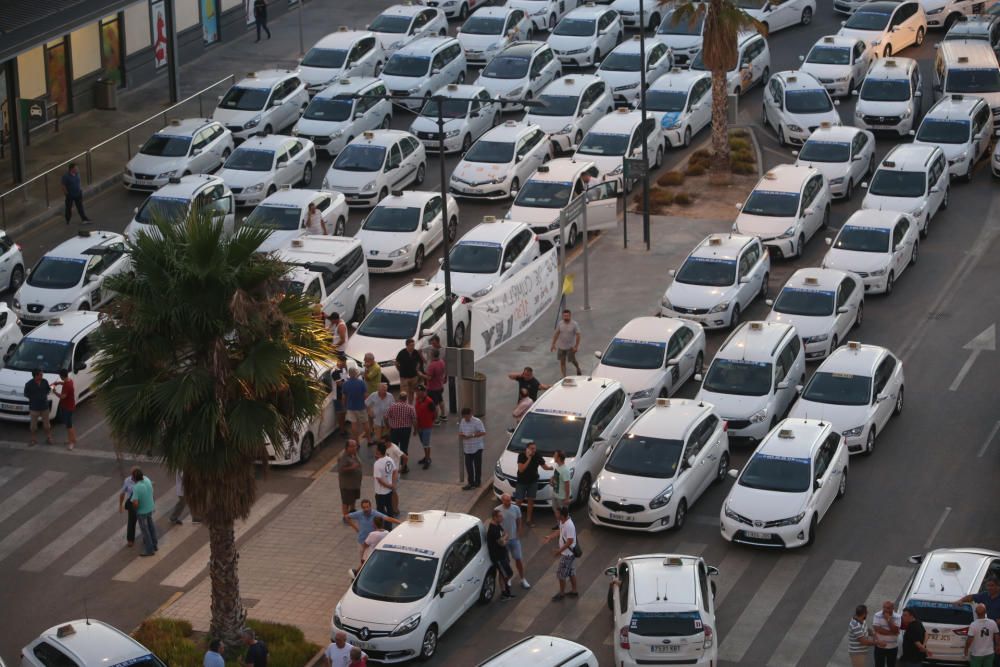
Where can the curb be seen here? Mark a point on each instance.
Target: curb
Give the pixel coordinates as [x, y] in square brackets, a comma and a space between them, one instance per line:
[52, 213]
[756, 146]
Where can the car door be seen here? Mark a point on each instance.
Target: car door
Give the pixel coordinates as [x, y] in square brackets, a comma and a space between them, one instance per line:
[812, 211]
[284, 165]
[848, 302]
[860, 157]
[602, 206]
[450, 605]
[784, 382]
[881, 389]
[326, 422]
[748, 277]
[700, 105]
[469, 548]
[432, 320]
[289, 108]
[860, 59]
[781, 13]
[431, 225]
[709, 448]
[621, 594]
[395, 172]
[825, 476]
[659, 62]
[83, 367]
[689, 481]
[535, 152]
[688, 356]
[409, 149]
[774, 102]
[900, 246]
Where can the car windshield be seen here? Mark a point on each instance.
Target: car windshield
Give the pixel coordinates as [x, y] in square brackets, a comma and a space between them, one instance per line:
[812, 303]
[973, 81]
[629, 353]
[543, 194]
[891, 183]
[645, 456]
[829, 55]
[621, 62]
[450, 108]
[270, 216]
[493, 152]
[165, 145]
[940, 131]
[245, 99]
[549, 432]
[475, 257]
[600, 143]
[735, 376]
[885, 90]
[777, 473]
[507, 67]
[41, 353]
[750, 4]
[148, 660]
[401, 64]
[390, 23]
[164, 209]
[707, 271]
[556, 105]
[866, 19]
[325, 58]
[808, 101]
[483, 25]
[838, 389]
[250, 159]
[392, 219]
[771, 203]
[333, 109]
[385, 323]
[963, 36]
[666, 100]
[944, 613]
[825, 151]
[674, 25]
[862, 239]
[661, 624]
[392, 576]
[57, 272]
[360, 157]
[576, 27]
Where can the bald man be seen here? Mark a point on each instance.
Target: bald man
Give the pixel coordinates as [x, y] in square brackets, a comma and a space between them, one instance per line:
[981, 643]
[338, 653]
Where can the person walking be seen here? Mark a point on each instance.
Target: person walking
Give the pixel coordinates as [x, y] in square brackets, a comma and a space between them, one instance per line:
[401, 419]
[377, 404]
[472, 434]
[566, 342]
[125, 504]
[338, 653]
[363, 523]
[399, 461]
[372, 374]
[885, 624]
[385, 480]
[512, 529]
[73, 192]
[175, 513]
[914, 651]
[349, 477]
[561, 494]
[354, 401]
[860, 637]
[315, 224]
[256, 655]
[37, 390]
[338, 330]
[376, 535]
[260, 17]
[142, 498]
[214, 654]
[496, 545]
[410, 364]
[436, 377]
[566, 553]
[423, 405]
[983, 639]
[66, 391]
[528, 463]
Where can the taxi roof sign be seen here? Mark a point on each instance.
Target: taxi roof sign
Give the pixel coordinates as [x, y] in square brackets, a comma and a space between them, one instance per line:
[951, 566]
[811, 281]
[369, 135]
[569, 382]
[65, 630]
[420, 282]
[673, 561]
[786, 433]
[489, 218]
[853, 345]
[756, 326]
[415, 517]
[714, 240]
[663, 402]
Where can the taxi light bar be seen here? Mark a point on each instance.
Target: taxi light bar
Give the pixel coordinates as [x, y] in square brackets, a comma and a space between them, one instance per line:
[175, 121]
[950, 566]
[343, 28]
[511, 123]
[714, 240]
[297, 243]
[369, 135]
[420, 282]
[828, 40]
[756, 326]
[55, 322]
[786, 433]
[890, 63]
[826, 125]
[889, 163]
[397, 193]
[853, 345]
[489, 218]
[957, 98]
[83, 233]
[543, 169]
[65, 631]
[344, 82]
[675, 70]
[663, 402]
[635, 38]
[812, 281]
[771, 176]
[569, 81]
[415, 517]
[251, 75]
[672, 561]
[624, 110]
[963, 59]
[286, 186]
[569, 382]
[452, 86]
[792, 79]
[174, 180]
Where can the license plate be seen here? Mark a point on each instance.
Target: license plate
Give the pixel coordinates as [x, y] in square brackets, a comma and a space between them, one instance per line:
[758, 536]
[13, 407]
[364, 646]
[664, 648]
[621, 517]
[939, 638]
[142, 181]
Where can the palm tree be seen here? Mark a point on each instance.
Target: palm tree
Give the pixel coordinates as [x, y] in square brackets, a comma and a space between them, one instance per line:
[724, 20]
[203, 362]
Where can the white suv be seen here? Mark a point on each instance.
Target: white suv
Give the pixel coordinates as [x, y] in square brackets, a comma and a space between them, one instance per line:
[890, 97]
[266, 101]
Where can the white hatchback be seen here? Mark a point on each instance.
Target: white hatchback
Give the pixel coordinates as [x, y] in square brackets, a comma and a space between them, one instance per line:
[875, 245]
[887, 27]
[265, 101]
[962, 126]
[621, 68]
[781, 14]
[503, 158]
[86, 643]
[844, 155]
[285, 213]
[544, 14]
[422, 67]
[342, 54]
[402, 229]
[489, 254]
[491, 29]
[468, 113]
[262, 165]
[334, 117]
[684, 36]
[398, 25]
[376, 163]
[681, 100]
[569, 107]
[620, 136]
[190, 146]
[585, 34]
[823, 305]
[520, 72]
[795, 104]
[837, 62]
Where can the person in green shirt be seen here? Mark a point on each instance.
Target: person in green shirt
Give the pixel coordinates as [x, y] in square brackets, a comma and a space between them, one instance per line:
[372, 374]
[142, 498]
[560, 484]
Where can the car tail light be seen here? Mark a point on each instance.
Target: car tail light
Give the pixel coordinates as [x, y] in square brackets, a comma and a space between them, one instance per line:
[708, 637]
[725, 425]
[961, 631]
[465, 300]
[623, 638]
[18, 245]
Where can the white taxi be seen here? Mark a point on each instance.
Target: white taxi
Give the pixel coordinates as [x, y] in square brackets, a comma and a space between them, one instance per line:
[10, 331]
[308, 436]
[629, 11]
[890, 97]
[503, 158]
[858, 389]
[785, 209]
[795, 104]
[823, 305]
[376, 163]
[520, 72]
[653, 357]
[285, 213]
[491, 29]
[569, 107]
[415, 585]
[618, 136]
[422, 67]
[489, 254]
[665, 461]
[752, 67]
[398, 25]
[913, 179]
[189, 146]
[262, 165]
[887, 27]
[844, 155]
[875, 245]
[399, 231]
[455, 9]
[837, 62]
[621, 68]
[962, 126]
[544, 14]
[340, 55]
[465, 119]
[684, 36]
[585, 34]
[11, 263]
[718, 281]
[781, 14]
[681, 100]
[787, 486]
[335, 116]
[175, 201]
[265, 101]
[330, 271]
[542, 651]
[86, 643]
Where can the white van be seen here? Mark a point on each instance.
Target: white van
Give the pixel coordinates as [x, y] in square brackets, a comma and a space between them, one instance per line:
[331, 271]
[970, 69]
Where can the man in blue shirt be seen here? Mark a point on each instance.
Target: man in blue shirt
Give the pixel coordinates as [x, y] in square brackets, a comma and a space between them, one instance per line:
[73, 191]
[363, 521]
[355, 391]
[213, 656]
[990, 597]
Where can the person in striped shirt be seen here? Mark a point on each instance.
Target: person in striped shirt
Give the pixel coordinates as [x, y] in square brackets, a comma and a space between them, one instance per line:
[860, 637]
[401, 419]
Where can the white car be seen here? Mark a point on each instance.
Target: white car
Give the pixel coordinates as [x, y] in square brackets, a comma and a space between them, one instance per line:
[887, 27]
[618, 136]
[503, 158]
[569, 107]
[823, 305]
[190, 146]
[175, 201]
[795, 104]
[10, 331]
[71, 277]
[520, 72]
[376, 163]
[681, 100]
[86, 643]
[946, 13]
[329, 271]
[838, 63]
[787, 486]
[962, 126]
[653, 357]
[659, 468]
[718, 281]
[398, 25]
[857, 389]
[422, 67]
[456, 8]
[621, 68]
[786, 208]
[875, 245]
[913, 179]
[415, 585]
[684, 36]
[754, 377]
[776, 15]
[890, 97]
[11, 263]
[489, 254]
[844, 155]
[542, 651]
[465, 119]
[629, 11]
[264, 102]
[752, 67]
[285, 213]
[402, 229]
[677, 628]
[585, 34]
[262, 165]
[544, 14]
[335, 117]
[489, 30]
[340, 55]
[309, 435]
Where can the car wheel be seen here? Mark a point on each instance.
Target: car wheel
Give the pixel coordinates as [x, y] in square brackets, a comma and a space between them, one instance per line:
[944, 202]
[764, 285]
[552, 22]
[842, 489]
[812, 532]
[496, 119]
[529, 35]
[801, 245]
[452, 229]
[654, 21]
[734, 319]
[489, 588]
[225, 154]
[765, 76]
[659, 158]
[723, 467]
[763, 115]
[699, 364]
[307, 174]
[360, 309]
[681, 515]
[860, 316]
[807, 16]
[386, 122]
[466, 144]
[418, 259]
[443, 32]
[340, 228]
[870, 442]
[849, 193]
[429, 644]
[461, 78]
[611, 597]
[687, 137]
[781, 136]
[463, 12]
[899, 402]
[871, 166]
[920, 37]
[834, 343]
[926, 229]
[571, 237]
[306, 448]
[514, 185]
[620, 38]
[459, 335]
[888, 51]
[889, 282]
[968, 174]
[583, 491]
[913, 255]
[597, 56]
[16, 278]
[421, 172]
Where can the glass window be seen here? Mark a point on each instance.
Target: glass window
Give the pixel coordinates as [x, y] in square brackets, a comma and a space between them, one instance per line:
[735, 376]
[50, 656]
[777, 473]
[623, 587]
[392, 576]
[549, 432]
[645, 456]
[772, 204]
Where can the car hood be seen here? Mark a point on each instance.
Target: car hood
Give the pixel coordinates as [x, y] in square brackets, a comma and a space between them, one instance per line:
[238, 178]
[314, 127]
[625, 5]
[387, 39]
[765, 226]
[383, 242]
[698, 296]
[805, 325]
[478, 42]
[853, 260]
[425, 124]
[396, 82]
[762, 505]
[880, 108]
[315, 76]
[866, 36]
[733, 406]
[569, 42]
[533, 215]
[630, 488]
[842, 417]
[480, 172]
[951, 151]
[47, 297]
[358, 612]
[911, 205]
[349, 179]
[632, 379]
[384, 349]
[467, 284]
[820, 70]
[234, 116]
[500, 87]
[528, 6]
[12, 382]
[680, 42]
[550, 124]
[279, 238]
[807, 120]
[830, 170]
[617, 79]
[508, 464]
[606, 163]
[150, 164]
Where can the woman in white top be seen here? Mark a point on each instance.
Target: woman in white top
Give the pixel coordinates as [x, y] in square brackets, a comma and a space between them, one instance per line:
[315, 224]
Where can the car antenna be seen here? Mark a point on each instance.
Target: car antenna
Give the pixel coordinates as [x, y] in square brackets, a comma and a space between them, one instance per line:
[86, 614]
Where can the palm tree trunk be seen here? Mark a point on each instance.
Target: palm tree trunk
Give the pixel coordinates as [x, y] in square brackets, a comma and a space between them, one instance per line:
[228, 614]
[720, 123]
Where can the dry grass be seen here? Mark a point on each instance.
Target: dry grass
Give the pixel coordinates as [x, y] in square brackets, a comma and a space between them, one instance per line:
[684, 199]
[671, 178]
[696, 169]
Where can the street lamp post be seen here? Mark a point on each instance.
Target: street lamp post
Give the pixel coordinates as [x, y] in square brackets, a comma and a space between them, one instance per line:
[642, 113]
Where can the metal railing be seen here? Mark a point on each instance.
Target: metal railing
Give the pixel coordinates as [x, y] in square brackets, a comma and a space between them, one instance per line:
[99, 162]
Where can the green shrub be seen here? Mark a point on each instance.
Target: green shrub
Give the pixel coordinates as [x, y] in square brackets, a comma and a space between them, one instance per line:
[701, 154]
[737, 132]
[696, 169]
[174, 643]
[660, 197]
[672, 177]
[742, 156]
[743, 168]
[736, 144]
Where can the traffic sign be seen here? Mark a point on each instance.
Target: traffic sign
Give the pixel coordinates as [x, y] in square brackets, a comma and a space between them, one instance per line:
[635, 167]
[574, 209]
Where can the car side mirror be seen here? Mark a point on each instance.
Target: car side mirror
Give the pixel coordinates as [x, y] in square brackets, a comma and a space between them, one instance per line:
[842, 310]
[282, 163]
[598, 354]
[836, 103]
[441, 261]
[447, 588]
[881, 397]
[739, 206]
[196, 151]
[698, 377]
[935, 190]
[673, 361]
[672, 272]
[843, 23]
[689, 463]
[733, 472]
[978, 137]
[819, 483]
[517, 158]
[854, 92]
[354, 325]
[809, 211]
[745, 66]
[864, 184]
[611, 572]
[427, 226]
[912, 133]
[424, 333]
[507, 266]
[802, 58]
[828, 241]
[135, 211]
[93, 278]
[435, 71]
[795, 153]
[798, 388]
[769, 302]
[359, 115]
[744, 280]
[918, 93]
[784, 384]
[857, 158]
[513, 193]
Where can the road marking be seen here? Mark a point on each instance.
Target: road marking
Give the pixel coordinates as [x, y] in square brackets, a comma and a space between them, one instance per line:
[993, 433]
[584, 610]
[77, 452]
[888, 587]
[194, 565]
[49, 512]
[79, 530]
[29, 492]
[813, 615]
[937, 527]
[731, 569]
[987, 340]
[102, 422]
[8, 473]
[170, 540]
[756, 613]
[111, 544]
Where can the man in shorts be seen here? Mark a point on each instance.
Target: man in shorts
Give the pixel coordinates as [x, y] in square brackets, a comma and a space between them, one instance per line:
[354, 400]
[560, 484]
[528, 463]
[410, 364]
[511, 514]
[36, 390]
[564, 552]
[566, 342]
[425, 410]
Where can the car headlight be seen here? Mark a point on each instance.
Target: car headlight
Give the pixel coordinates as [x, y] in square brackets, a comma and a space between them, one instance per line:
[665, 302]
[336, 134]
[730, 513]
[167, 174]
[877, 272]
[644, 393]
[16, 303]
[794, 128]
[853, 432]
[496, 46]
[662, 499]
[452, 133]
[720, 307]
[517, 91]
[399, 252]
[253, 122]
[876, 42]
[788, 233]
[497, 469]
[326, 183]
[906, 114]
[836, 181]
[674, 125]
[758, 416]
[595, 492]
[841, 79]
[935, 11]
[553, 226]
[449, 3]
[858, 113]
[498, 179]
[59, 307]
[396, 45]
[483, 292]
[337, 623]
[369, 186]
[128, 172]
[541, 12]
[414, 90]
[391, 363]
[815, 339]
[408, 624]
[617, 170]
[575, 52]
[253, 188]
[790, 521]
[566, 130]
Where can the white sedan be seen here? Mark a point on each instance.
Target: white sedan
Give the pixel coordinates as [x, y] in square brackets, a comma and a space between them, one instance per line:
[877, 246]
[403, 228]
[823, 305]
[502, 159]
[844, 155]
[262, 165]
[285, 213]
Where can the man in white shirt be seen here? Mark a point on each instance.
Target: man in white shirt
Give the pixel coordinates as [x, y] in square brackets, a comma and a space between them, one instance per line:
[886, 626]
[981, 644]
[338, 653]
[399, 460]
[564, 552]
[472, 434]
[315, 224]
[385, 477]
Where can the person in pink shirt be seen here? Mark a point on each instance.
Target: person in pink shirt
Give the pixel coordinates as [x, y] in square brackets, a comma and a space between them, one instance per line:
[436, 374]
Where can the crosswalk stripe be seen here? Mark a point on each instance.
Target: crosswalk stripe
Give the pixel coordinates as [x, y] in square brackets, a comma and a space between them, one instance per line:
[8, 473]
[79, 530]
[813, 614]
[593, 601]
[755, 614]
[112, 543]
[169, 541]
[193, 566]
[888, 587]
[49, 512]
[731, 569]
[28, 492]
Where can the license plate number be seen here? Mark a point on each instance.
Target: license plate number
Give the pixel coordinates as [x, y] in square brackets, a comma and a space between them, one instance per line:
[758, 536]
[14, 407]
[364, 646]
[939, 638]
[664, 648]
[621, 517]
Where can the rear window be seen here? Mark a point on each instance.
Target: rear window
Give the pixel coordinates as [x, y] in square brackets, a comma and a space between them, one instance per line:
[946, 613]
[665, 624]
